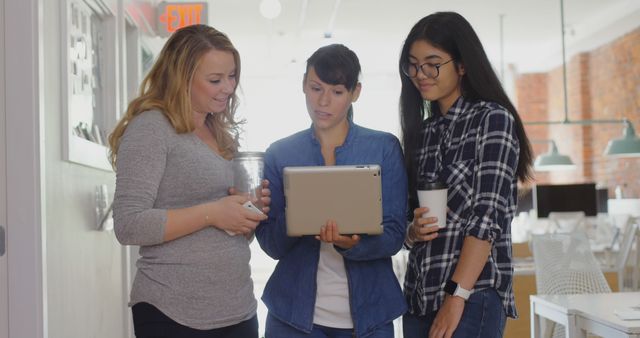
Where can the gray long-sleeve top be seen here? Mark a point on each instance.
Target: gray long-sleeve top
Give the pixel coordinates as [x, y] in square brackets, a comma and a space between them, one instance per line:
[201, 280]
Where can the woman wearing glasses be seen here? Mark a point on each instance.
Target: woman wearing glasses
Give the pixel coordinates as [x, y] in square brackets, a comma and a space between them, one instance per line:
[459, 279]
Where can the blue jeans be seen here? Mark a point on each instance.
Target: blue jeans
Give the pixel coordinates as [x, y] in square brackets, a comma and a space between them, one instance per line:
[483, 317]
[275, 328]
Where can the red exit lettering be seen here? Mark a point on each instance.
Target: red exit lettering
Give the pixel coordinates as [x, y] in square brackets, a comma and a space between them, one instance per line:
[173, 16]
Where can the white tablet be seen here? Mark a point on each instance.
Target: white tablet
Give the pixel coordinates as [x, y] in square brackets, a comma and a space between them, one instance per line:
[350, 195]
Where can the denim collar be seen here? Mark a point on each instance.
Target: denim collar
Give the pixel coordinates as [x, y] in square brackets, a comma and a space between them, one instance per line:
[351, 135]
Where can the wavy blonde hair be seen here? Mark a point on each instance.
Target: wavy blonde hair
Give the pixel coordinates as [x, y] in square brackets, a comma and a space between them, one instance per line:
[167, 87]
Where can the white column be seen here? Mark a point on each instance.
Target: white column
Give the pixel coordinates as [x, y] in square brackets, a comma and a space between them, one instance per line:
[23, 105]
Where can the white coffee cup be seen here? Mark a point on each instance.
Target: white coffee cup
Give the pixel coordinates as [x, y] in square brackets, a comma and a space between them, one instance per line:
[433, 195]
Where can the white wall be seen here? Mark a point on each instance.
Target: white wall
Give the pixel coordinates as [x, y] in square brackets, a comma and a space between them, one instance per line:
[84, 267]
[24, 181]
[274, 105]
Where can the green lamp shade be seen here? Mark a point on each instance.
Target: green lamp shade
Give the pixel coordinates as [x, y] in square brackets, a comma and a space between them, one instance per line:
[626, 146]
[552, 161]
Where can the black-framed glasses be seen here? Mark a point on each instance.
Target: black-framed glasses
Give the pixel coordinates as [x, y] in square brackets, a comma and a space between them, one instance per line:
[429, 70]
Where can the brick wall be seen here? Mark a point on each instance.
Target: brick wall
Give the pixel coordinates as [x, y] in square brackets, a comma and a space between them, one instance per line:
[602, 84]
[533, 105]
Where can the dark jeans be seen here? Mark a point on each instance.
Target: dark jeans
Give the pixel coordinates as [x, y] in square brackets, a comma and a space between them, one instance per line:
[149, 322]
[483, 317]
[278, 329]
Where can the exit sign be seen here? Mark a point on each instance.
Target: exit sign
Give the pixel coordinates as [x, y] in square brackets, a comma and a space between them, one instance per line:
[175, 15]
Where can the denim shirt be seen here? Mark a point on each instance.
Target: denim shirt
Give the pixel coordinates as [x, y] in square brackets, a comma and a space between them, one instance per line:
[374, 292]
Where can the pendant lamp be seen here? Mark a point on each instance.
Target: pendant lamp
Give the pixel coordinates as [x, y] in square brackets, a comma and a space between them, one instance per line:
[553, 160]
[626, 146]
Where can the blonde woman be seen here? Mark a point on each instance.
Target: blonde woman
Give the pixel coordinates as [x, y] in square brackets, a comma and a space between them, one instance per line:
[172, 152]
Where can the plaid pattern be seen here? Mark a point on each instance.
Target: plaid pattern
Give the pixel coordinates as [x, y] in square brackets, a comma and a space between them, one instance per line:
[474, 149]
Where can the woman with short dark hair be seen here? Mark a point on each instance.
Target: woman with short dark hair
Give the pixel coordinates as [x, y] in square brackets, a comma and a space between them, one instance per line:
[334, 285]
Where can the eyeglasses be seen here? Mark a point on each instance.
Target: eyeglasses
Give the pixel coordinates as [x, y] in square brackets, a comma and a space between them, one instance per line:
[428, 69]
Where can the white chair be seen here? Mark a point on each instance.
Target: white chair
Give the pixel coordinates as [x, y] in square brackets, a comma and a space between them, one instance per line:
[564, 264]
[567, 221]
[626, 262]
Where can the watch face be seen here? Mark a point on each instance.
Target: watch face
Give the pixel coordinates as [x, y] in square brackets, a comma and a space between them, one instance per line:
[450, 287]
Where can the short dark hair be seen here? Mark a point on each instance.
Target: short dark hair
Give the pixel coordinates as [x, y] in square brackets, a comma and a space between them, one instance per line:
[336, 65]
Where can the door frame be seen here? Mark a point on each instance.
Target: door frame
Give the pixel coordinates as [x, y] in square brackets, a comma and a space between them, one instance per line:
[4, 294]
[24, 158]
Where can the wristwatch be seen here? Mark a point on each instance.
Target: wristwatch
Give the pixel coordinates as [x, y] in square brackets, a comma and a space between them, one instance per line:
[455, 289]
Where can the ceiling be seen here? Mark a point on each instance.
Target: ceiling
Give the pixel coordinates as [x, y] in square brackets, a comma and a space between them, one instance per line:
[376, 29]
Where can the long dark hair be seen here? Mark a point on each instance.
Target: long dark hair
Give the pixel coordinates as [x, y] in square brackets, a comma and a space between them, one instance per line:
[336, 65]
[453, 34]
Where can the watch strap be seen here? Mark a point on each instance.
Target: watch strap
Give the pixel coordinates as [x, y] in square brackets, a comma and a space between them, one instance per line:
[454, 289]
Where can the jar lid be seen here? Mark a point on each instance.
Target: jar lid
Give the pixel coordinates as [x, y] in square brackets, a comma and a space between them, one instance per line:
[249, 154]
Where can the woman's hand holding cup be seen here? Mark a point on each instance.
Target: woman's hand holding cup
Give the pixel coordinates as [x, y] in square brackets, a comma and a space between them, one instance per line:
[427, 220]
[422, 229]
[265, 196]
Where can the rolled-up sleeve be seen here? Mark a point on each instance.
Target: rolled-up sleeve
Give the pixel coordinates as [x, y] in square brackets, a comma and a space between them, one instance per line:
[141, 161]
[495, 170]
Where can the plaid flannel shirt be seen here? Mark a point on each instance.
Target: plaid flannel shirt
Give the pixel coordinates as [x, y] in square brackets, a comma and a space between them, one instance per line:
[474, 149]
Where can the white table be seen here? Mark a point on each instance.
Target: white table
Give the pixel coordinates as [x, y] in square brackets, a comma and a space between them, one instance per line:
[584, 313]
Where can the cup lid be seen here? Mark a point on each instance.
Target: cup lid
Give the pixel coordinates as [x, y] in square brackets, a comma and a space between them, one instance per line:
[425, 185]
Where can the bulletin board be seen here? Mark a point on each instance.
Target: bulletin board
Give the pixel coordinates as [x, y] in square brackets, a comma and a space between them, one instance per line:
[89, 76]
